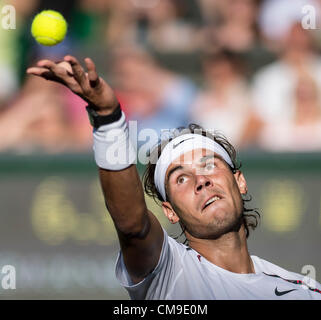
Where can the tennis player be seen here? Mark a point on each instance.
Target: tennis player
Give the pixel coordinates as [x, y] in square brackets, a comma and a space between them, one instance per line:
[200, 186]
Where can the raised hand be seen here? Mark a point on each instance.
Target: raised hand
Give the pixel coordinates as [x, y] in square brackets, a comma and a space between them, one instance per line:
[88, 85]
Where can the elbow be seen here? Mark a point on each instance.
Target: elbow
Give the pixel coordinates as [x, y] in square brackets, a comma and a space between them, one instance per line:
[132, 225]
[138, 230]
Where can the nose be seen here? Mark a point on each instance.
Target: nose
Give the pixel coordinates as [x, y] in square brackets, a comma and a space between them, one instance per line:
[202, 182]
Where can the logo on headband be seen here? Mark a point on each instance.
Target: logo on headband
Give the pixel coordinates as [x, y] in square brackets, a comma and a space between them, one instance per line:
[175, 145]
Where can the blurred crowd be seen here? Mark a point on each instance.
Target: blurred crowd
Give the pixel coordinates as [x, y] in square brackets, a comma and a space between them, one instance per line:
[244, 68]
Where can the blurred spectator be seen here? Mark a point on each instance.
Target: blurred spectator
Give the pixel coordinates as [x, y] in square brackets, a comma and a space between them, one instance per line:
[302, 131]
[174, 31]
[211, 10]
[274, 85]
[276, 17]
[167, 29]
[234, 27]
[41, 118]
[52, 119]
[9, 48]
[34, 120]
[121, 21]
[155, 97]
[224, 104]
[8, 72]
[154, 24]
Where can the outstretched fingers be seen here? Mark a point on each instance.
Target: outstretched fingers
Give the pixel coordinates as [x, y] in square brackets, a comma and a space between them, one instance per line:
[70, 73]
[42, 69]
[45, 73]
[37, 71]
[78, 73]
[60, 72]
[46, 64]
[92, 73]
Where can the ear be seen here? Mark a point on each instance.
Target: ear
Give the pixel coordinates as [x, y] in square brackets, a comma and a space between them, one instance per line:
[170, 212]
[241, 182]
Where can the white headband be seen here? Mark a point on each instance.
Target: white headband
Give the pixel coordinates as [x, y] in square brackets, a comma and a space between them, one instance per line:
[180, 145]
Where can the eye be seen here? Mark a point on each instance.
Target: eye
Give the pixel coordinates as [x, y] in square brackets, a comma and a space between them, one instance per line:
[181, 179]
[210, 166]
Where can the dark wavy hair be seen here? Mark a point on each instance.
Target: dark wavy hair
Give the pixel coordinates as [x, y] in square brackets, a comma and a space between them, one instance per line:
[250, 217]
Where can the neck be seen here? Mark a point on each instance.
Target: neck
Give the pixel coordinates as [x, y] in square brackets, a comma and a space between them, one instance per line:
[297, 58]
[229, 252]
[307, 112]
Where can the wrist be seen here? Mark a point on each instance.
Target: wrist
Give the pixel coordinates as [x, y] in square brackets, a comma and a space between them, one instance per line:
[109, 138]
[99, 117]
[104, 111]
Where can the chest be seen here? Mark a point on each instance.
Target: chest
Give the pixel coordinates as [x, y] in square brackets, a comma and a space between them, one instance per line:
[202, 283]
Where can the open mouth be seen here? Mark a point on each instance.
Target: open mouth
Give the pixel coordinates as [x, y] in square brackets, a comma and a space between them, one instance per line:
[211, 200]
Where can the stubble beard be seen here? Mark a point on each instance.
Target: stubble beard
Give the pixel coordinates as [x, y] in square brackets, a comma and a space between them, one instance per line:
[215, 229]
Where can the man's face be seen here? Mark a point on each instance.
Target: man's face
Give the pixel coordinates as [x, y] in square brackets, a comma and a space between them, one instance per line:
[193, 181]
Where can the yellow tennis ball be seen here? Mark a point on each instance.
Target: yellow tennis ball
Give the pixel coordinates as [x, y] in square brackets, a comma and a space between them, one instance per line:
[49, 27]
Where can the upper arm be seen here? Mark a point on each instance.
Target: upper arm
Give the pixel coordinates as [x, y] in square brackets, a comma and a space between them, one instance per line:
[140, 233]
[141, 252]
